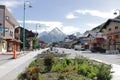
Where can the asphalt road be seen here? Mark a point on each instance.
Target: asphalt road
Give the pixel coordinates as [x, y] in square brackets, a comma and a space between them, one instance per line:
[108, 58]
[5, 58]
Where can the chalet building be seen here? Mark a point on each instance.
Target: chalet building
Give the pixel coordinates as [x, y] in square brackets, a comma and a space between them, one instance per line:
[29, 35]
[42, 44]
[112, 30]
[84, 42]
[96, 39]
[7, 26]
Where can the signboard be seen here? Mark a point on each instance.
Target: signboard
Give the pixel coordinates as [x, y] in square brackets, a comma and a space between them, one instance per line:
[1, 22]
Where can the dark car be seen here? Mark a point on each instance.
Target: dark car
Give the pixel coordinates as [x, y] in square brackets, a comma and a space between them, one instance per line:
[97, 49]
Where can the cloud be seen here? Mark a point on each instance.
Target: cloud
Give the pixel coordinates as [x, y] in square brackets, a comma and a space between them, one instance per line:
[70, 16]
[49, 25]
[44, 25]
[70, 29]
[52, 24]
[93, 24]
[11, 3]
[97, 13]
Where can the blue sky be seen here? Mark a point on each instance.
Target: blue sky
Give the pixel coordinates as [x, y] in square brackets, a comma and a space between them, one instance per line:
[68, 15]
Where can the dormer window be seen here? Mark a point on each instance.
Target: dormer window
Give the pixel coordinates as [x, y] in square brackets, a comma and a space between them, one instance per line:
[116, 27]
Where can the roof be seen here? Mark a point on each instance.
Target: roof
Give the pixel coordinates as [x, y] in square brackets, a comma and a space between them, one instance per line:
[98, 28]
[11, 39]
[11, 19]
[97, 35]
[108, 22]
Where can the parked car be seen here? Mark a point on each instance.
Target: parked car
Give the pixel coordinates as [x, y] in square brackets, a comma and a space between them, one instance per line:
[53, 49]
[79, 47]
[97, 49]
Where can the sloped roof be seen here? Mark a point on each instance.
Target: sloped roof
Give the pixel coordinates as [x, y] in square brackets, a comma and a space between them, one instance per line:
[110, 20]
[97, 35]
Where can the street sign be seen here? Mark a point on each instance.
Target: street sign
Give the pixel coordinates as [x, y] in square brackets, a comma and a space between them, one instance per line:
[1, 32]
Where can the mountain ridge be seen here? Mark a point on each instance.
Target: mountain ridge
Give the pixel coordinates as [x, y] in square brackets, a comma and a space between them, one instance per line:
[54, 35]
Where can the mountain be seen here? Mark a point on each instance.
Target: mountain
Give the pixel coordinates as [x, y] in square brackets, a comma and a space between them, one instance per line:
[43, 33]
[54, 35]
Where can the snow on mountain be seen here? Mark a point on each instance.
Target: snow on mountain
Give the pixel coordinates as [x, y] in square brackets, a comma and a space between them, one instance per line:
[54, 35]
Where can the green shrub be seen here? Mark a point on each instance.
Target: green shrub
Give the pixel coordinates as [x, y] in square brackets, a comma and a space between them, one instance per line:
[83, 69]
[33, 63]
[48, 62]
[81, 60]
[61, 76]
[56, 68]
[104, 72]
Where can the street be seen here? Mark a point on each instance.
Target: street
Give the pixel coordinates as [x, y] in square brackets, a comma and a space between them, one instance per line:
[5, 58]
[108, 58]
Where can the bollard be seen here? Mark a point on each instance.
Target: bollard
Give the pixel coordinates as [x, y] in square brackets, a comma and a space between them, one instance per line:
[14, 54]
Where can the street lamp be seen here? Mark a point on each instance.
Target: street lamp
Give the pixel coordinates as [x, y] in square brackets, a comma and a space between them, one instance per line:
[115, 13]
[37, 25]
[25, 3]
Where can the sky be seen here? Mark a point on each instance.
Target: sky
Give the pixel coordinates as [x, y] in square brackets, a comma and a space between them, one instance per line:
[69, 16]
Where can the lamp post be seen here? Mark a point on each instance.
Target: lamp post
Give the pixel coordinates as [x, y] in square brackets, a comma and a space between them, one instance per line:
[25, 2]
[37, 25]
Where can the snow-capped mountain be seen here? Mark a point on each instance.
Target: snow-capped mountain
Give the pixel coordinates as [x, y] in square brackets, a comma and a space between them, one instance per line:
[53, 36]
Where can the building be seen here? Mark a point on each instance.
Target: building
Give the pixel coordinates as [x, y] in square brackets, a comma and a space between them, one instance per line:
[96, 39]
[29, 35]
[8, 23]
[112, 30]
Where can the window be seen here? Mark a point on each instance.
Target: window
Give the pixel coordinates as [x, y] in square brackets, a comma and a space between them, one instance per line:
[109, 29]
[16, 31]
[7, 30]
[116, 27]
[116, 36]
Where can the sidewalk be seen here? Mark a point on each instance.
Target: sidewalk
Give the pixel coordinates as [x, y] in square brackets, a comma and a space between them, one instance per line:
[11, 69]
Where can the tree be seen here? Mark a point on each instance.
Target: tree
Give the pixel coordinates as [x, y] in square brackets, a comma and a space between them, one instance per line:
[35, 42]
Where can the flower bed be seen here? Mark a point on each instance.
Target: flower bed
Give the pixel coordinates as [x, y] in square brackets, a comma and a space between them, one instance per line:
[49, 67]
